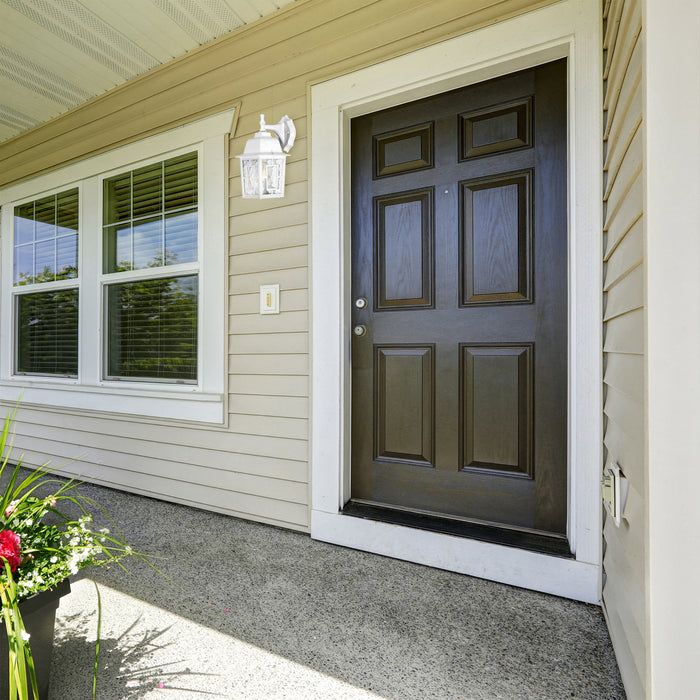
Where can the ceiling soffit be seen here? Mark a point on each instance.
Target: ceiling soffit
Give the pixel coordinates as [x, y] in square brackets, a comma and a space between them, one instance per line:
[57, 54]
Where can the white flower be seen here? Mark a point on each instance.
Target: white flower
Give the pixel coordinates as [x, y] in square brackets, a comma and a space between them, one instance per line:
[53, 560]
[25, 635]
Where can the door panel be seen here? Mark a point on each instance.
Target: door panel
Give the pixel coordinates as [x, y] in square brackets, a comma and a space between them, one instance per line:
[459, 246]
[404, 419]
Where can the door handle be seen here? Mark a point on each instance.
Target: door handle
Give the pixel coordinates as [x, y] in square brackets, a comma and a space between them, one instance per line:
[359, 331]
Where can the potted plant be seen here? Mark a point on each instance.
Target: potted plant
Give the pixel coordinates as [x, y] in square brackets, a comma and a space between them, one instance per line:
[41, 545]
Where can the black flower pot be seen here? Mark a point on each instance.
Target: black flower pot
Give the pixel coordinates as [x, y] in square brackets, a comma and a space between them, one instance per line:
[39, 617]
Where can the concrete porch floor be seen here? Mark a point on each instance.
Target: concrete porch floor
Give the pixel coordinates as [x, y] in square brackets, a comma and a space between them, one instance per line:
[257, 612]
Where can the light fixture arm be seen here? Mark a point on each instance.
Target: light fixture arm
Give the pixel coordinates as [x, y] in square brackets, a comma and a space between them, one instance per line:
[284, 130]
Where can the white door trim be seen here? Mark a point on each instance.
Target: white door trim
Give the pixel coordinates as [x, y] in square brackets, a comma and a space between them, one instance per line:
[570, 28]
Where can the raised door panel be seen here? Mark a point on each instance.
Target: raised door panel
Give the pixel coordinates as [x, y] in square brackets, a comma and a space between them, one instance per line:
[404, 250]
[496, 405]
[404, 400]
[496, 239]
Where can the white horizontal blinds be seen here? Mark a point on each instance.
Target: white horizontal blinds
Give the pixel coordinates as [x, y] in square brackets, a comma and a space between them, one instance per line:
[47, 333]
[153, 329]
[45, 254]
[150, 216]
[151, 221]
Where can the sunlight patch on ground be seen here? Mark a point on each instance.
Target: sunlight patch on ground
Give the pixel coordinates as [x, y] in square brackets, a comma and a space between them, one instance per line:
[148, 652]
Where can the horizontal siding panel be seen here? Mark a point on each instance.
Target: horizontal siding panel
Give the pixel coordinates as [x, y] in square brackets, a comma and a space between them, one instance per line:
[619, 130]
[295, 428]
[627, 546]
[278, 102]
[627, 451]
[175, 461]
[634, 514]
[283, 406]
[628, 35]
[634, 687]
[269, 260]
[619, 147]
[628, 642]
[628, 254]
[625, 333]
[266, 218]
[72, 428]
[129, 470]
[630, 166]
[269, 343]
[269, 364]
[621, 216]
[626, 412]
[626, 294]
[275, 239]
[606, 8]
[286, 322]
[270, 385]
[625, 373]
[290, 300]
[612, 12]
[298, 278]
[237, 504]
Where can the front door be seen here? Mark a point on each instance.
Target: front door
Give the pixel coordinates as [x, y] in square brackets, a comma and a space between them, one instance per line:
[459, 291]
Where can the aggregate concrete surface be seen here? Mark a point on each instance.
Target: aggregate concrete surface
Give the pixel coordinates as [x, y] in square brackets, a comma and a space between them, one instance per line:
[249, 611]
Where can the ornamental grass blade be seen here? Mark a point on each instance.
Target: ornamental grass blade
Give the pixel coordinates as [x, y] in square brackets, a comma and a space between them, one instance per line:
[20, 661]
[97, 645]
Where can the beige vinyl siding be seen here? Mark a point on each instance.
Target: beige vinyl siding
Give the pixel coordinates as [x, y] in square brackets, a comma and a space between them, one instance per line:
[624, 561]
[256, 466]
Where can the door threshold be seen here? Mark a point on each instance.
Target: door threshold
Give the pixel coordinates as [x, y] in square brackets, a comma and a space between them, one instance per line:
[555, 545]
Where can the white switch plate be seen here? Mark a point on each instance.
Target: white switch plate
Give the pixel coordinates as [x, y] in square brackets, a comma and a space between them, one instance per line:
[269, 298]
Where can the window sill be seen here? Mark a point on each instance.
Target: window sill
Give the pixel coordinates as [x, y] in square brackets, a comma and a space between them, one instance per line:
[178, 402]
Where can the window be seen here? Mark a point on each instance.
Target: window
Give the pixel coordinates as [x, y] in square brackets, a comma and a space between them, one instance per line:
[46, 258]
[113, 274]
[150, 222]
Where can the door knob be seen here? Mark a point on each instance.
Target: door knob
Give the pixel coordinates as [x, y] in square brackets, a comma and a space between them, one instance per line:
[361, 303]
[359, 331]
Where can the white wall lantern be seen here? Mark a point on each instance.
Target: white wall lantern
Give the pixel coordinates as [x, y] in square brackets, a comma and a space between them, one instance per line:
[263, 163]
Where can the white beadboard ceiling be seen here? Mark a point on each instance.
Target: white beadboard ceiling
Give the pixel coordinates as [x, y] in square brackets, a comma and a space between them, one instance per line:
[57, 54]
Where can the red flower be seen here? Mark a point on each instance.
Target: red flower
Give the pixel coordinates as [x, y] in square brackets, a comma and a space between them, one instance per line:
[9, 548]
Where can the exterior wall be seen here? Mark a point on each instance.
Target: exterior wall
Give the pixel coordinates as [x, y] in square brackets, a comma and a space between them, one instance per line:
[256, 466]
[625, 547]
[672, 216]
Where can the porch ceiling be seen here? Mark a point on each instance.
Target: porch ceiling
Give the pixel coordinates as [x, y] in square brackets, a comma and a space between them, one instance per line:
[57, 54]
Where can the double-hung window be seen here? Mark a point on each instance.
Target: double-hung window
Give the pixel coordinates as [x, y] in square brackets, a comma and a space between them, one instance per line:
[46, 295]
[114, 280]
[150, 255]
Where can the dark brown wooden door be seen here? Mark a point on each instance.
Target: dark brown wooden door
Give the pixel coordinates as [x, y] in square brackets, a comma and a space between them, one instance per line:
[459, 382]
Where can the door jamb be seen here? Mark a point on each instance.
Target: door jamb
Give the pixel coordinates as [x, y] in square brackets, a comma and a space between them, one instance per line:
[566, 29]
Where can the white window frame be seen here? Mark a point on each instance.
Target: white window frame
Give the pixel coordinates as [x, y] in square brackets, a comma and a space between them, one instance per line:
[571, 29]
[201, 402]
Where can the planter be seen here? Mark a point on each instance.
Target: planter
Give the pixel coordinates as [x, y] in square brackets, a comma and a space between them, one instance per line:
[39, 617]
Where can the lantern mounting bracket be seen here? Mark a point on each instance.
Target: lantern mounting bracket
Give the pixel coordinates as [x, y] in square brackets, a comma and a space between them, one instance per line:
[284, 130]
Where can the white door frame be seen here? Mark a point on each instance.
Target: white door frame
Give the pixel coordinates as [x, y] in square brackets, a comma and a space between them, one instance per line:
[572, 29]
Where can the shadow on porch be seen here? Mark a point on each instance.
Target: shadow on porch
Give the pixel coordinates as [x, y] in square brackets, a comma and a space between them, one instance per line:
[259, 612]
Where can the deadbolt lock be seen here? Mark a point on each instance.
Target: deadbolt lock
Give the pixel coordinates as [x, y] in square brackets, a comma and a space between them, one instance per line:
[359, 331]
[361, 303]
